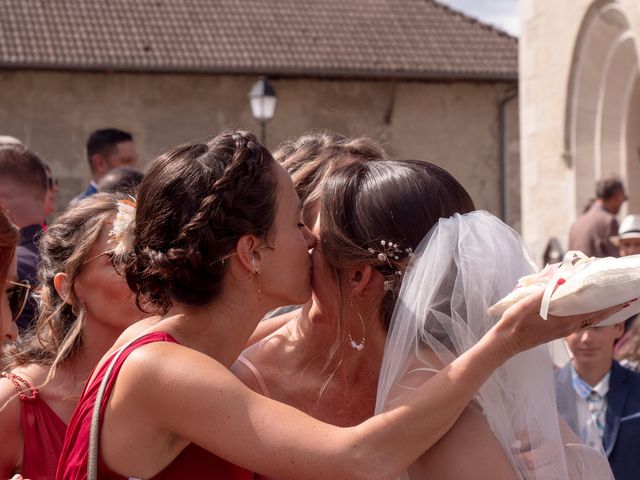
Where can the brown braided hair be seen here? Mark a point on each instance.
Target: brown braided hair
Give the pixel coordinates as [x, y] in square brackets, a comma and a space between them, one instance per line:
[194, 203]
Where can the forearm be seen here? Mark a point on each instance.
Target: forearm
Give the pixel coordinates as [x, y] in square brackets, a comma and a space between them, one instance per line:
[390, 442]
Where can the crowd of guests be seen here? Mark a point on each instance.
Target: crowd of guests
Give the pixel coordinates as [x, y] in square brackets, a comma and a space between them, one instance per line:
[141, 339]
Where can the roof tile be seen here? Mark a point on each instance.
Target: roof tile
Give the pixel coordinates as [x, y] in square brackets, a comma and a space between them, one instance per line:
[368, 38]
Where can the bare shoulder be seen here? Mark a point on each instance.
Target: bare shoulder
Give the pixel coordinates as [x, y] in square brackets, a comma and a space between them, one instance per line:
[270, 325]
[10, 427]
[26, 375]
[156, 365]
[134, 331]
[11, 386]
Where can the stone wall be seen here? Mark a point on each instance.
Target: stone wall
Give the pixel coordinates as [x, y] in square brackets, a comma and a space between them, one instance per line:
[579, 120]
[456, 125]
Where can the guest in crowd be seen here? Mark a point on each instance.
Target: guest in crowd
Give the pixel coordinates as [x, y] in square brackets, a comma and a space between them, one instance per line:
[13, 294]
[23, 189]
[219, 241]
[51, 198]
[592, 231]
[107, 149]
[122, 180]
[600, 400]
[627, 349]
[628, 238]
[85, 305]
[9, 140]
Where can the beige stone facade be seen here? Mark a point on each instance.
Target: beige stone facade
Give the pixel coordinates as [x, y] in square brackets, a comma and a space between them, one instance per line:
[456, 124]
[579, 108]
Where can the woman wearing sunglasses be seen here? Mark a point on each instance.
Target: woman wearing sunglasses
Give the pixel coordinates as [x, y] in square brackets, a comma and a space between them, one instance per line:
[84, 306]
[13, 295]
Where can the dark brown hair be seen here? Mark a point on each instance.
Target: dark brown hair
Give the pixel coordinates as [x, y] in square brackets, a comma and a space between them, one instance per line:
[194, 203]
[607, 187]
[64, 248]
[310, 158]
[364, 204]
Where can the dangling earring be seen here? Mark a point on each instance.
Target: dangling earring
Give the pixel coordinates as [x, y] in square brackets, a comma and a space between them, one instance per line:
[355, 345]
[256, 272]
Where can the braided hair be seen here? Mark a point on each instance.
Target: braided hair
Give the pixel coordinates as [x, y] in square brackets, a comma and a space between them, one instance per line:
[194, 204]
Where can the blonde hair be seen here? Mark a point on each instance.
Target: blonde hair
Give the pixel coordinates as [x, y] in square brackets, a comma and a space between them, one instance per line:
[311, 158]
[64, 247]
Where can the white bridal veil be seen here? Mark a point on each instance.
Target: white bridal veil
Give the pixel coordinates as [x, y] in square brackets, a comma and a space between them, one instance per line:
[465, 264]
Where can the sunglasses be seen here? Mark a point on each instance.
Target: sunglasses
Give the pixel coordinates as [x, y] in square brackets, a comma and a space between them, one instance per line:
[18, 294]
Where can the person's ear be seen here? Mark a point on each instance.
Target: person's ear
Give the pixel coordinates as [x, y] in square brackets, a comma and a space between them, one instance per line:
[99, 163]
[619, 330]
[248, 252]
[360, 279]
[61, 284]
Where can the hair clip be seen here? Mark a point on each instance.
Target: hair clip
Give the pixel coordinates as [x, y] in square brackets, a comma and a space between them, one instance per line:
[388, 284]
[390, 251]
[122, 229]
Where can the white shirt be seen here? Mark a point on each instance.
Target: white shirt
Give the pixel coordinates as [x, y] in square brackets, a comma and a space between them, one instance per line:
[590, 411]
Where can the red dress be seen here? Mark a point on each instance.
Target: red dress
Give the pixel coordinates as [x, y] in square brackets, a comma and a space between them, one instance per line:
[42, 432]
[193, 461]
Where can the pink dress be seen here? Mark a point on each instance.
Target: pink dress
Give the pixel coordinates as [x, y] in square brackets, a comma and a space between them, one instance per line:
[193, 461]
[42, 431]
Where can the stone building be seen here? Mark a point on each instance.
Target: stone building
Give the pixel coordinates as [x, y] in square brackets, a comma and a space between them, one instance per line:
[427, 81]
[579, 108]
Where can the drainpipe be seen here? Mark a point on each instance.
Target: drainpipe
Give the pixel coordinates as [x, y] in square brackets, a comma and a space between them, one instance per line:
[504, 156]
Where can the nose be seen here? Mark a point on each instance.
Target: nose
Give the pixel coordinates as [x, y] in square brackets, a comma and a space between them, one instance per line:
[586, 335]
[309, 237]
[12, 334]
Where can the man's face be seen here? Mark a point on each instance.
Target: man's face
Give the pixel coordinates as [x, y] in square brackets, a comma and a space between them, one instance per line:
[124, 155]
[592, 348]
[618, 199]
[629, 246]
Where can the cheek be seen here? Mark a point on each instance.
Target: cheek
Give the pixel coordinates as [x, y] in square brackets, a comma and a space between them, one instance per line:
[103, 287]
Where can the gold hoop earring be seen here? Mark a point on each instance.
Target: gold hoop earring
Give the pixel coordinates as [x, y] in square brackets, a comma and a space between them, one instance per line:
[256, 272]
[358, 346]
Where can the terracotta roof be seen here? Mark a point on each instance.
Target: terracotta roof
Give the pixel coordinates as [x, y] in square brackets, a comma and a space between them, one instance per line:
[358, 38]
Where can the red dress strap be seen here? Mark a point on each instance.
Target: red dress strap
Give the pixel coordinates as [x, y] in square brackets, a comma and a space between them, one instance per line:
[193, 461]
[42, 431]
[20, 384]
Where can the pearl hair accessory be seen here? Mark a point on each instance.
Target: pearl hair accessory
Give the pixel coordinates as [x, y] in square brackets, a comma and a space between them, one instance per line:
[390, 251]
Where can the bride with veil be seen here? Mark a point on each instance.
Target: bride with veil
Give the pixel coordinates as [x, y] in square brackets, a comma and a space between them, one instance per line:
[465, 264]
[391, 307]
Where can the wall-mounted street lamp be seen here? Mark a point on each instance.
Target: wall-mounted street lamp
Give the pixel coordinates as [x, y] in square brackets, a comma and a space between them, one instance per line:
[262, 98]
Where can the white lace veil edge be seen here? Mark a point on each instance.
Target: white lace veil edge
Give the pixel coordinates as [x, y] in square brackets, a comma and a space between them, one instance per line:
[465, 264]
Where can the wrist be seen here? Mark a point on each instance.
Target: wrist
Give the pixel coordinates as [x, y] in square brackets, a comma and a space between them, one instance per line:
[495, 347]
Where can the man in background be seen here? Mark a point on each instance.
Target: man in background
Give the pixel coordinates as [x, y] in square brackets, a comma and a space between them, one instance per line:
[600, 400]
[23, 187]
[107, 149]
[591, 232]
